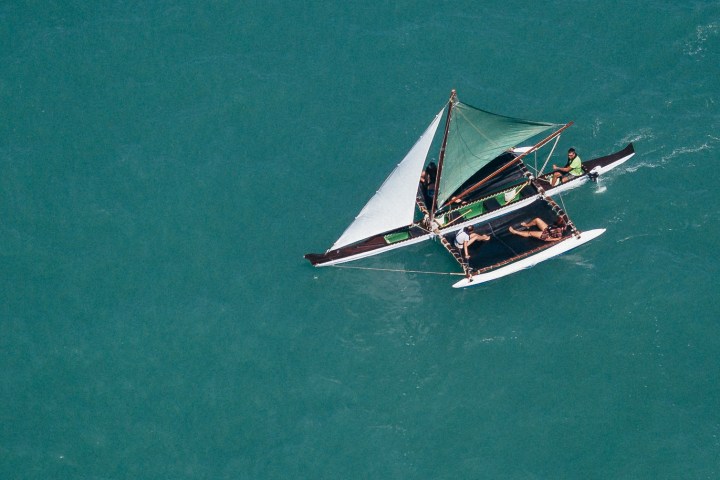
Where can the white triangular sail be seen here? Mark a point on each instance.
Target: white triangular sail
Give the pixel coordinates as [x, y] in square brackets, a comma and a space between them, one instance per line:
[393, 205]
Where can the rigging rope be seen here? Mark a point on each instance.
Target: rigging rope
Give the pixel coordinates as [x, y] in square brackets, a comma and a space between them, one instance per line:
[549, 156]
[397, 270]
[563, 213]
[562, 200]
[497, 237]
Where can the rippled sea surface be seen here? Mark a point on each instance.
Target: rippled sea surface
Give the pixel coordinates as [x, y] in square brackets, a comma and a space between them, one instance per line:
[164, 167]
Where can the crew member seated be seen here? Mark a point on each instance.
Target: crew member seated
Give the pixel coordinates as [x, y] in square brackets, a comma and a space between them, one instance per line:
[572, 169]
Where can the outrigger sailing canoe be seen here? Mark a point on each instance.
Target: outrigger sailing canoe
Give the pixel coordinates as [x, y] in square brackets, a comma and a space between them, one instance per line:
[481, 176]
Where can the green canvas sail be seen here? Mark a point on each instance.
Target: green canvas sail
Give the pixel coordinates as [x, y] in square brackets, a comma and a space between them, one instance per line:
[476, 137]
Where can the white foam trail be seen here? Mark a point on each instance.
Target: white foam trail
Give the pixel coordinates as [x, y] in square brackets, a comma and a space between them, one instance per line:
[696, 46]
[675, 153]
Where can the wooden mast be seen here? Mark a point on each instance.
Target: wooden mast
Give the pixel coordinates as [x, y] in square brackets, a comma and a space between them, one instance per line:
[441, 157]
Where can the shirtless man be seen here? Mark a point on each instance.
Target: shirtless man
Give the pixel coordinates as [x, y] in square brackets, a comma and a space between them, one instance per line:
[547, 233]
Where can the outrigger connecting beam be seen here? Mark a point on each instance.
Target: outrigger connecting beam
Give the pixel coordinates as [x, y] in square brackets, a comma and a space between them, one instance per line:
[456, 254]
[561, 213]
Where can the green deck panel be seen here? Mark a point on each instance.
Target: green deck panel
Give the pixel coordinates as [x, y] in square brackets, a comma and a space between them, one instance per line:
[501, 198]
[396, 237]
[472, 211]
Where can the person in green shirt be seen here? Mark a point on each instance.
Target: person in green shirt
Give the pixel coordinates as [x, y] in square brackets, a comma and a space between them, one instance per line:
[572, 170]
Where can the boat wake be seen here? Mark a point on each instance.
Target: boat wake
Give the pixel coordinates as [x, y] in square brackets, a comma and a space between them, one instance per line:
[632, 237]
[696, 46]
[644, 134]
[578, 260]
[678, 152]
[675, 153]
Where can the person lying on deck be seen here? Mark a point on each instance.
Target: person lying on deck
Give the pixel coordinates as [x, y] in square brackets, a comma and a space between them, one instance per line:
[547, 233]
[467, 237]
[571, 170]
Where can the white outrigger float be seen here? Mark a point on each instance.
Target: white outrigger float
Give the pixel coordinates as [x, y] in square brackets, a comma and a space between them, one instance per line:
[532, 260]
[507, 253]
[483, 180]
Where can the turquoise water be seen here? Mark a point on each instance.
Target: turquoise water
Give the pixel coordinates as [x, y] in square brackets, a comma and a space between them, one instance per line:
[164, 167]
